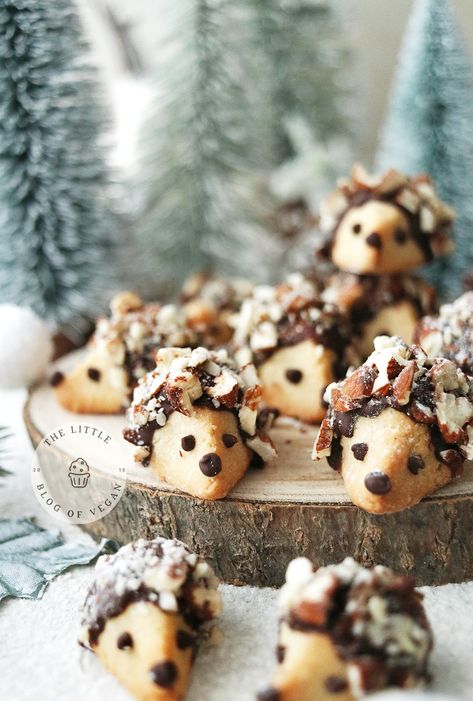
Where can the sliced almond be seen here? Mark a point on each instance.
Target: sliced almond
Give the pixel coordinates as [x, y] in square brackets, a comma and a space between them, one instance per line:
[323, 443]
[408, 199]
[402, 385]
[392, 181]
[360, 383]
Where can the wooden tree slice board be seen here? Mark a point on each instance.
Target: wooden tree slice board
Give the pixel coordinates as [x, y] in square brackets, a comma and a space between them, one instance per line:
[292, 507]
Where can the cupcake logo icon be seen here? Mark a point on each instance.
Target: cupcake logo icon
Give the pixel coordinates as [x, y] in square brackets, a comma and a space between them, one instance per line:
[79, 473]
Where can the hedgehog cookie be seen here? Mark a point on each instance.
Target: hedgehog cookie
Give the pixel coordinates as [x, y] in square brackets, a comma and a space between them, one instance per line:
[208, 302]
[146, 613]
[380, 306]
[296, 343]
[387, 224]
[121, 351]
[197, 421]
[450, 334]
[399, 427]
[346, 631]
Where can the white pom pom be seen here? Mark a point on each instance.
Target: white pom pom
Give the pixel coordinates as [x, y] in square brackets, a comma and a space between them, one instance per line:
[25, 347]
[409, 696]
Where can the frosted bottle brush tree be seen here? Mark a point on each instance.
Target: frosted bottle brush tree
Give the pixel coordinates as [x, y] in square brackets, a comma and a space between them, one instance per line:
[217, 129]
[430, 124]
[304, 69]
[54, 232]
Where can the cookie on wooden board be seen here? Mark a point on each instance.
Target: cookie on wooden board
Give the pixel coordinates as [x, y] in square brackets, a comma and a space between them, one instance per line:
[386, 224]
[386, 305]
[121, 350]
[149, 608]
[297, 343]
[399, 427]
[198, 421]
[346, 631]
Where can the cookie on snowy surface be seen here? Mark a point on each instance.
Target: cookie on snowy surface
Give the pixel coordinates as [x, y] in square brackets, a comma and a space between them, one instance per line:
[296, 342]
[399, 427]
[387, 224]
[346, 631]
[450, 334]
[388, 305]
[121, 351]
[197, 421]
[148, 609]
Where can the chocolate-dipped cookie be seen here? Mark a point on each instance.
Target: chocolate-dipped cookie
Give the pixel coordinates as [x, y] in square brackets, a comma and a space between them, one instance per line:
[399, 427]
[121, 351]
[149, 608]
[386, 224]
[197, 421]
[450, 334]
[388, 305]
[297, 343]
[346, 631]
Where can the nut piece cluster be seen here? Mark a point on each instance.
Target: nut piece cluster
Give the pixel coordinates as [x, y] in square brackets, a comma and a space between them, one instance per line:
[415, 196]
[184, 378]
[434, 392]
[284, 315]
[450, 334]
[362, 296]
[162, 572]
[374, 617]
[135, 330]
[219, 292]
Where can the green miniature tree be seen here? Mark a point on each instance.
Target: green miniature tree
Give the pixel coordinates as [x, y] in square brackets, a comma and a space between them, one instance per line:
[229, 75]
[54, 232]
[430, 125]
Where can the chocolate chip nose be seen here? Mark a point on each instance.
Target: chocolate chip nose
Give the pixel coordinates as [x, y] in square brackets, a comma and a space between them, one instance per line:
[374, 240]
[210, 464]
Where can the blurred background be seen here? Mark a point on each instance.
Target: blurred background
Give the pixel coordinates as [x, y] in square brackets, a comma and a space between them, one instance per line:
[375, 31]
[143, 140]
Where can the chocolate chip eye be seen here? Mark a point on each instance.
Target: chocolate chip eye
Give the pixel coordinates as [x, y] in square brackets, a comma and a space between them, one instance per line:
[415, 463]
[400, 236]
[56, 379]
[124, 641]
[188, 443]
[229, 440]
[359, 450]
[335, 685]
[280, 653]
[294, 376]
[164, 674]
[356, 228]
[93, 374]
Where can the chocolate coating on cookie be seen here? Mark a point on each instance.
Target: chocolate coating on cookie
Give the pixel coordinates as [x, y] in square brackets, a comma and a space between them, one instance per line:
[429, 220]
[431, 391]
[184, 379]
[450, 334]
[161, 572]
[374, 618]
